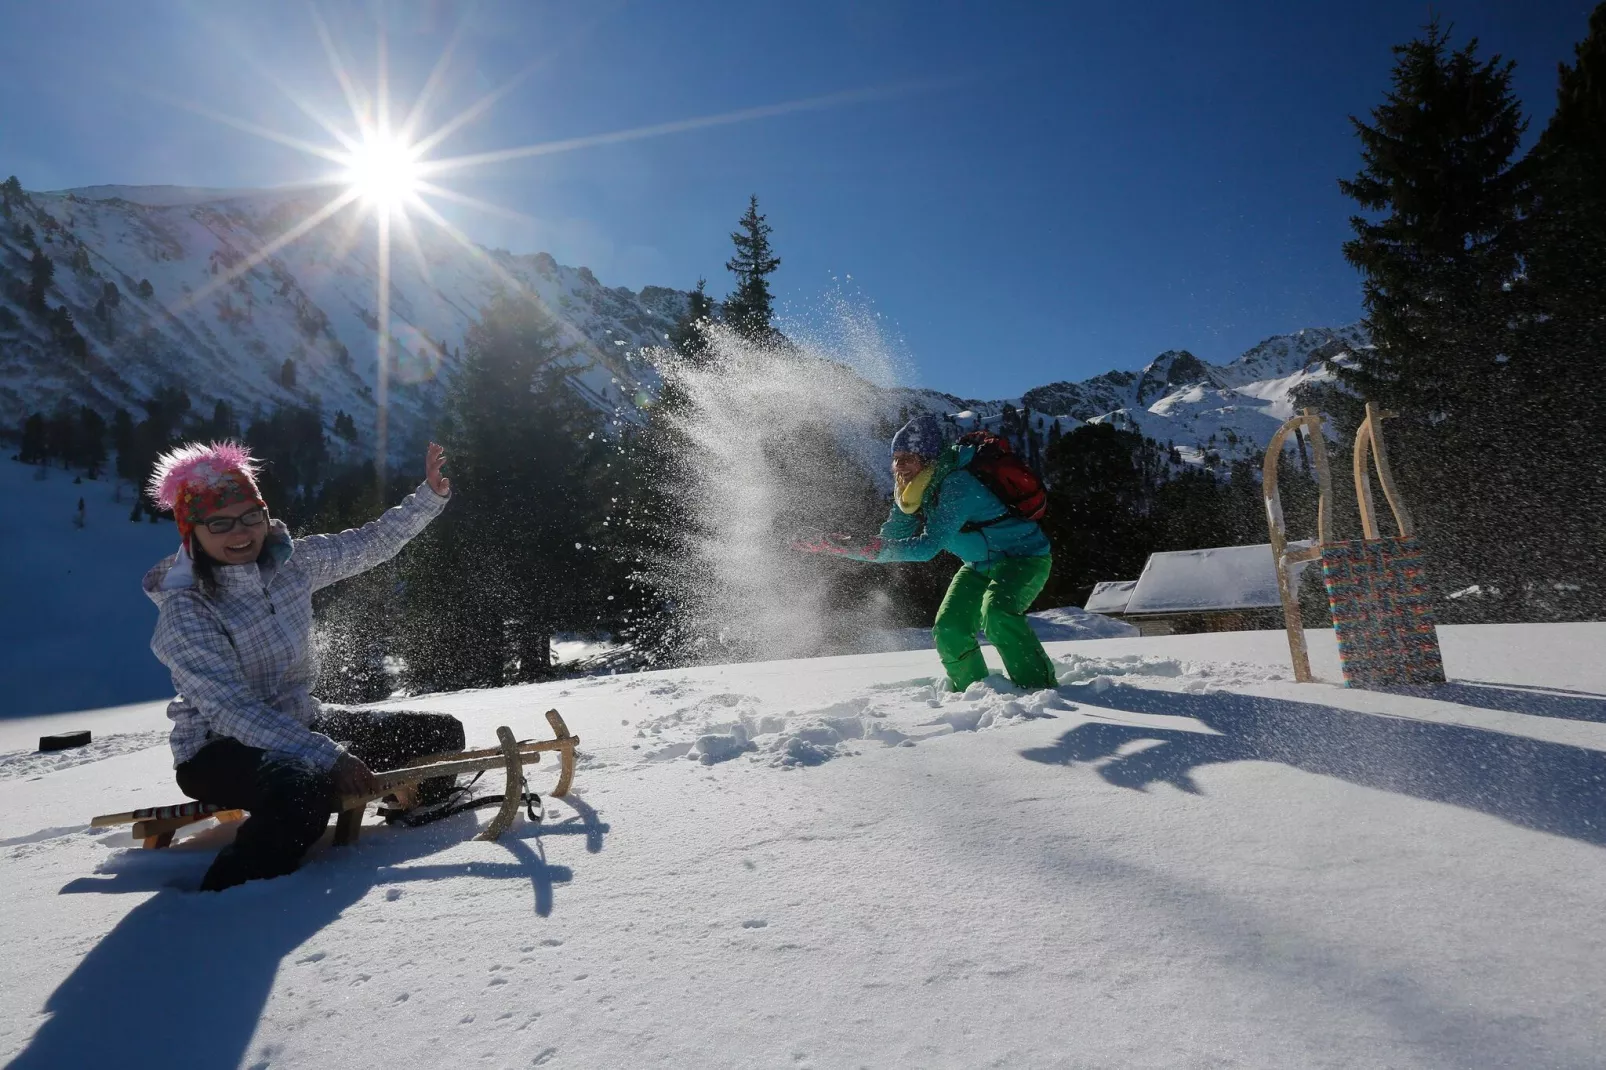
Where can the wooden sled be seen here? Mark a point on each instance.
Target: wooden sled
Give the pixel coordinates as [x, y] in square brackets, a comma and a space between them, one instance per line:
[1381, 608]
[154, 826]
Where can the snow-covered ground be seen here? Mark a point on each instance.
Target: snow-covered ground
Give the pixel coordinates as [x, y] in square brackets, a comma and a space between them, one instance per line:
[1179, 858]
[1051, 625]
[76, 630]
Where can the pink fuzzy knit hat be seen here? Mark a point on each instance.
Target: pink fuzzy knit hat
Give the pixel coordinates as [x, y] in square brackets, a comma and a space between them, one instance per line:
[197, 480]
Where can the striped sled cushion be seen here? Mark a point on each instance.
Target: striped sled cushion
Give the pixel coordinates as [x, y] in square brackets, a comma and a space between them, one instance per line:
[1382, 612]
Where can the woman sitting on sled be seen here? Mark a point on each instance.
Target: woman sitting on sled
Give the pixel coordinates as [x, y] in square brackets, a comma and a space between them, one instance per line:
[938, 504]
[235, 629]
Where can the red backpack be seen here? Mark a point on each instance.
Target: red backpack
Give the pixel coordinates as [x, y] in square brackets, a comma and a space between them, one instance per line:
[1002, 471]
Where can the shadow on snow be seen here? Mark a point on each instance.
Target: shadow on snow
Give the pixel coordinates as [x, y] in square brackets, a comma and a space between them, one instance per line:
[182, 980]
[1550, 787]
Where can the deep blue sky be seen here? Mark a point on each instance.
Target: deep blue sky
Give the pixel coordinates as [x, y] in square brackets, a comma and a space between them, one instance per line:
[1047, 191]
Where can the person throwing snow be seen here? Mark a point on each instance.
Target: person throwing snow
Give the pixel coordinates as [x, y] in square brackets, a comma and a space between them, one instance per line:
[940, 504]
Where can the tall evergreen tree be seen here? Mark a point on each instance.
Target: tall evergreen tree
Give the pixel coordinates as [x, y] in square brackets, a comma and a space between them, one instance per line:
[689, 337]
[749, 310]
[123, 445]
[1438, 161]
[33, 439]
[61, 435]
[513, 560]
[41, 273]
[1557, 367]
[91, 441]
[1567, 220]
[1440, 269]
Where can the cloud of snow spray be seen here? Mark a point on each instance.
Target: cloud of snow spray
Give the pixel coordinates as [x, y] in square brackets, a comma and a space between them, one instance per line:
[784, 440]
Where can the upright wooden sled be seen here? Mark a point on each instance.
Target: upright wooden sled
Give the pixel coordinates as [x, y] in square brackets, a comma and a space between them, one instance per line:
[1381, 607]
[155, 826]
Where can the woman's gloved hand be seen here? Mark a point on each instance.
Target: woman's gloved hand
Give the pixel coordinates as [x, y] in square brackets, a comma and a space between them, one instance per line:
[837, 543]
[353, 777]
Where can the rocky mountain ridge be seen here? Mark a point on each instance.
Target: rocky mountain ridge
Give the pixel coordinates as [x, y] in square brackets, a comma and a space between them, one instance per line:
[231, 295]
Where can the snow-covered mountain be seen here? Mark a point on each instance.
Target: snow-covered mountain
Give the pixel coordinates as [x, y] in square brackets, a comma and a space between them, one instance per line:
[1228, 409]
[216, 291]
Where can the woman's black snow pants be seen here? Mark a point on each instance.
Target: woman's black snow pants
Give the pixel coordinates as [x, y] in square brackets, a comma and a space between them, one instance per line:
[288, 801]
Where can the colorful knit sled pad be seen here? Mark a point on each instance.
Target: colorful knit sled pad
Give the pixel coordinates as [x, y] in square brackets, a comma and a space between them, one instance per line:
[1382, 612]
[197, 810]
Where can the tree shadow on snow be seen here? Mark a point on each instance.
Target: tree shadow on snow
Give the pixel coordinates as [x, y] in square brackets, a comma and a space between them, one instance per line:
[182, 980]
[1513, 698]
[1550, 787]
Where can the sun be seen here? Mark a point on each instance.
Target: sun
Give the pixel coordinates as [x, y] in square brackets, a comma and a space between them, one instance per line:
[384, 171]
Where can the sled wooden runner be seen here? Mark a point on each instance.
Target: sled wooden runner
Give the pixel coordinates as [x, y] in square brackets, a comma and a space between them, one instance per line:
[1284, 559]
[155, 826]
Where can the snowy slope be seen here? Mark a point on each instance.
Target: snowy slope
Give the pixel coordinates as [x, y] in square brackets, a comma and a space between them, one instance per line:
[77, 629]
[223, 328]
[1177, 859]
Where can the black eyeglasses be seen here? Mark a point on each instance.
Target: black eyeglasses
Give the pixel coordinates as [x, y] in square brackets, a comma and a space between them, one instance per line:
[222, 525]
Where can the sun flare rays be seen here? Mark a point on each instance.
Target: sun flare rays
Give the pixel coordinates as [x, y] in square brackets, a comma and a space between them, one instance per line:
[387, 172]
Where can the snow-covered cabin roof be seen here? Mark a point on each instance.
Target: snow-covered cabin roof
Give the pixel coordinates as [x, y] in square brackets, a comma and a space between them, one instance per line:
[1110, 597]
[1198, 581]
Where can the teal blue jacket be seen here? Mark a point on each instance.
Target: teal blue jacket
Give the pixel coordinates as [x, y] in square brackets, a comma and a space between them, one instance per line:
[954, 499]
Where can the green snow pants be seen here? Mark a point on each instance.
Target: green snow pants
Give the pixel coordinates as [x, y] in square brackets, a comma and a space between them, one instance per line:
[996, 603]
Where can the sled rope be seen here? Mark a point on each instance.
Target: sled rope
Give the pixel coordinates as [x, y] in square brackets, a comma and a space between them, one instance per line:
[416, 818]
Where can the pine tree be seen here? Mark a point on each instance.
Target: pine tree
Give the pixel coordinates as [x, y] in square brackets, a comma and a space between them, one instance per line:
[123, 445]
[1567, 220]
[1438, 161]
[356, 618]
[91, 441]
[33, 439]
[287, 374]
[41, 273]
[61, 435]
[749, 310]
[1441, 274]
[688, 337]
[1565, 334]
[512, 561]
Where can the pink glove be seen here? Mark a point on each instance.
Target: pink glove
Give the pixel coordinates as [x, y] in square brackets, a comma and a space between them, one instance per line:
[837, 543]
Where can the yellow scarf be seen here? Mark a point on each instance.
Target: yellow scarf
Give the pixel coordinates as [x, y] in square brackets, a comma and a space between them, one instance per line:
[911, 493]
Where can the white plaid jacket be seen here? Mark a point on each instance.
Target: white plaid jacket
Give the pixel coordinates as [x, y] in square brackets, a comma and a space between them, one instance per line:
[243, 660]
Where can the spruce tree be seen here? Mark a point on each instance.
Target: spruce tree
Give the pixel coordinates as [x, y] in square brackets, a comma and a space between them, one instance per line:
[123, 446]
[33, 439]
[1567, 220]
[1557, 365]
[689, 337]
[91, 441]
[1441, 274]
[1438, 161]
[512, 561]
[749, 310]
[41, 273]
